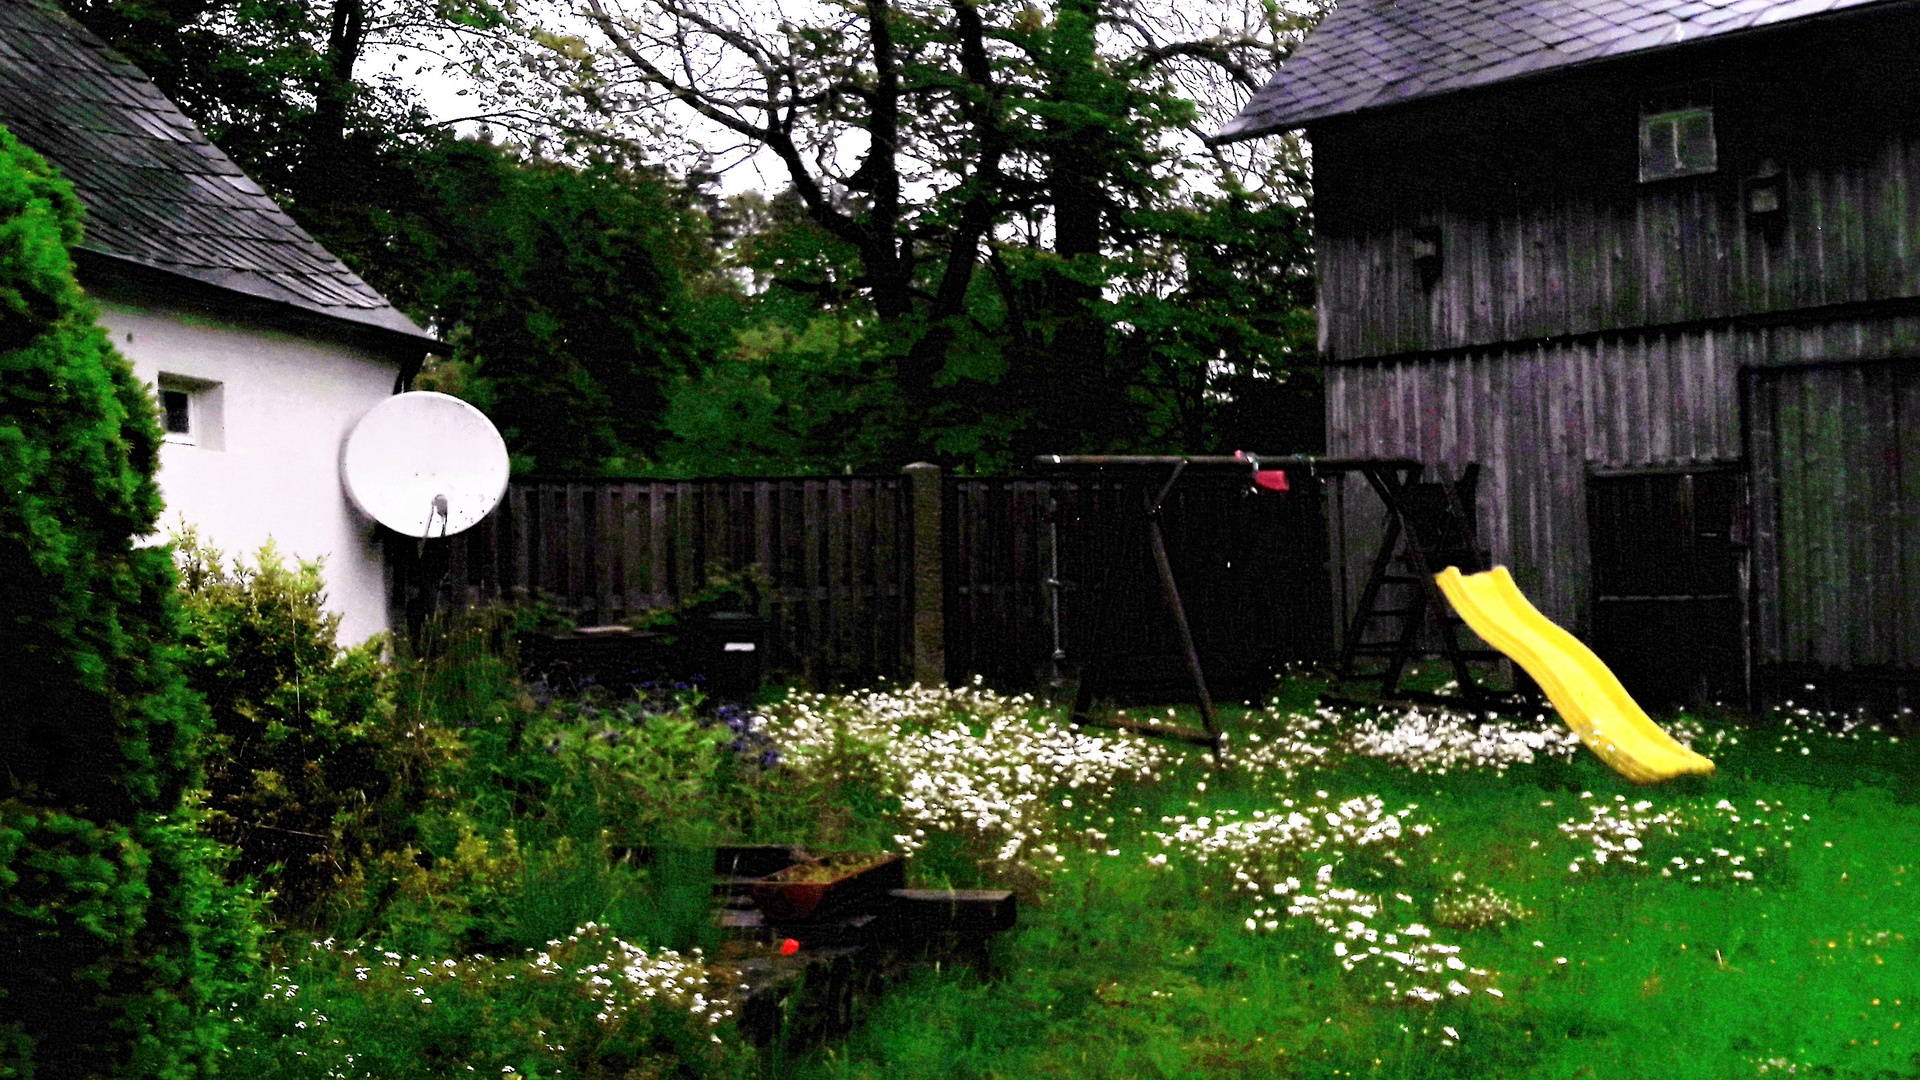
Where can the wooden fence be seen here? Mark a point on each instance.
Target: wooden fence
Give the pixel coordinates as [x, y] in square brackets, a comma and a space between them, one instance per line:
[829, 551]
[1252, 571]
[834, 558]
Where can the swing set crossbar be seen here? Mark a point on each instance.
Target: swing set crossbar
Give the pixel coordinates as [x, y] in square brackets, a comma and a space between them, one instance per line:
[1315, 466]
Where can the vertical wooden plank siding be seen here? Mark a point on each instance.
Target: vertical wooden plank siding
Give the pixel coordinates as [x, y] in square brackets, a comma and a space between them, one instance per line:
[520, 500]
[1835, 513]
[789, 568]
[1620, 258]
[689, 560]
[659, 552]
[635, 594]
[863, 606]
[606, 549]
[813, 596]
[1535, 419]
[1252, 572]
[833, 566]
[574, 536]
[1764, 488]
[831, 556]
[1832, 421]
[550, 536]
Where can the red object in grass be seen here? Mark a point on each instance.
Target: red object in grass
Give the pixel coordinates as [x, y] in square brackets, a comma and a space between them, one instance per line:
[789, 947]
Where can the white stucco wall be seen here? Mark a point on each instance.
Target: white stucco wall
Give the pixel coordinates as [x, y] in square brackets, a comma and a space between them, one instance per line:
[287, 405]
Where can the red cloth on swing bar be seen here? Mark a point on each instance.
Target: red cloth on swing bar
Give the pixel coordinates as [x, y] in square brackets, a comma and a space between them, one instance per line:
[1270, 479]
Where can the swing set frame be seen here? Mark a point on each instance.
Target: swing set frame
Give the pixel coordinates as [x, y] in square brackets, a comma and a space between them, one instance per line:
[1382, 474]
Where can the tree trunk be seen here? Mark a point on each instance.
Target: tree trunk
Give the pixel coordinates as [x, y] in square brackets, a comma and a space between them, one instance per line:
[346, 34]
[1078, 358]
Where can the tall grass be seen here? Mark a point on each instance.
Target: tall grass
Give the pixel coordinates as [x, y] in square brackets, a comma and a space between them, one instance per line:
[1763, 922]
[1811, 968]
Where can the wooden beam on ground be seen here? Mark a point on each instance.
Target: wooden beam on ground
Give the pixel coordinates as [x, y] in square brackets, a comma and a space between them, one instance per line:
[968, 912]
[1158, 731]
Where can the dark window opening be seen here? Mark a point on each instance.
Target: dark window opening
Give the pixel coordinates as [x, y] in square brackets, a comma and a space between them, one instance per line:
[179, 417]
[1678, 143]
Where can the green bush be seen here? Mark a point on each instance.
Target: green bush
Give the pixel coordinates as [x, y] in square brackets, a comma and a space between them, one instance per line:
[652, 777]
[495, 850]
[450, 894]
[308, 767]
[119, 936]
[587, 1004]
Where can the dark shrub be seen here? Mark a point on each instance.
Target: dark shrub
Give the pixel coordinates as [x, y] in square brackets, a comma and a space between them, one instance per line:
[308, 767]
[117, 937]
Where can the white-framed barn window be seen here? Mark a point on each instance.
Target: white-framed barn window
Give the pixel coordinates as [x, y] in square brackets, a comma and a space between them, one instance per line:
[191, 411]
[1678, 142]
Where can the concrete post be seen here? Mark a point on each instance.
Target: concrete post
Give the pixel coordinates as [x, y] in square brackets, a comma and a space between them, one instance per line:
[927, 632]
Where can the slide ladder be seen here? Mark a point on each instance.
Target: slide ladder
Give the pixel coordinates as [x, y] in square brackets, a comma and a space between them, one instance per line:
[1586, 694]
[1428, 525]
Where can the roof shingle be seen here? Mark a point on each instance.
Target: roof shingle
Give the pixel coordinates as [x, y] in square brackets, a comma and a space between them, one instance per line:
[1369, 53]
[157, 192]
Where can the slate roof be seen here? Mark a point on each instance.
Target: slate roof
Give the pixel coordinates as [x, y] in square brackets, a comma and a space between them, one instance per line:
[157, 193]
[1370, 53]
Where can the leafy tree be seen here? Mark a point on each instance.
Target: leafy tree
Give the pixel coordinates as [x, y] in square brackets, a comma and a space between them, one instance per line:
[1213, 319]
[118, 935]
[785, 398]
[1017, 189]
[282, 85]
[1001, 212]
[792, 377]
[562, 290]
[559, 285]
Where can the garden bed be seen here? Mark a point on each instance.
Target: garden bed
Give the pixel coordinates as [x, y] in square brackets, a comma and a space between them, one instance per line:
[1390, 893]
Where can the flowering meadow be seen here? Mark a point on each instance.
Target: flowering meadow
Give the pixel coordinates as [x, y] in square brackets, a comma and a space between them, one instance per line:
[1426, 893]
[1394, 893]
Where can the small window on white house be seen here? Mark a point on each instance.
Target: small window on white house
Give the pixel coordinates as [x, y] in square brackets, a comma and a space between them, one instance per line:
[1678, 142]
[178, 406]
[190, 411]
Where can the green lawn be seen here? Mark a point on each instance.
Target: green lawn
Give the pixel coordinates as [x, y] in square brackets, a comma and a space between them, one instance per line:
[1785, 940]
[1393, 895]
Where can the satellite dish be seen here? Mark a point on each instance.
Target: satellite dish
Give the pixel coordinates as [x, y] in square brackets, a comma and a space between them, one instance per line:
[425, 464]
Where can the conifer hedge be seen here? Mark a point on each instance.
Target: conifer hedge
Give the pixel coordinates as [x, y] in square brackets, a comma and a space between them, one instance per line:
[120, 945]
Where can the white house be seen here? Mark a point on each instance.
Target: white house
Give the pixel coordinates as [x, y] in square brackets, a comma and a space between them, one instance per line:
[262, 348]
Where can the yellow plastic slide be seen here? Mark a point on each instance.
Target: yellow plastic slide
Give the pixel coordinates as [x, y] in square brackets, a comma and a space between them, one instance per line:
[1590, 699]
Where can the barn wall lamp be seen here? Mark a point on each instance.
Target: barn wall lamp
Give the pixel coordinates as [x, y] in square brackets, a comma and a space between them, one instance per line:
[1425, 250]
[1763, 195]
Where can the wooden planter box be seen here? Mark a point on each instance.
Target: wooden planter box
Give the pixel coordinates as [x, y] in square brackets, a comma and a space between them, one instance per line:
[736, 867]
[783, 899]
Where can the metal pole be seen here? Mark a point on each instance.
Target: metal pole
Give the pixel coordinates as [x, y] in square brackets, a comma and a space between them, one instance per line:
[1054, 680]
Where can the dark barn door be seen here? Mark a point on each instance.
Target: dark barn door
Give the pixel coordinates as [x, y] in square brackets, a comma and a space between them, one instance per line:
[1669, 561]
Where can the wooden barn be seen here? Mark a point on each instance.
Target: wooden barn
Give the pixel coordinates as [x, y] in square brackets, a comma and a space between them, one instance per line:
[1655, 265]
